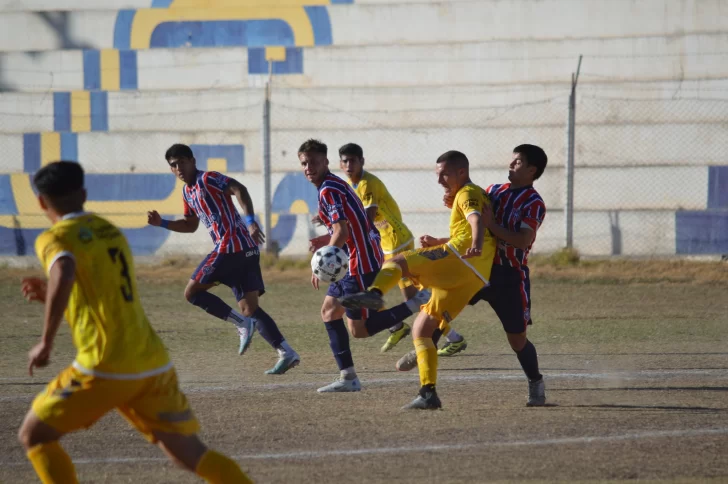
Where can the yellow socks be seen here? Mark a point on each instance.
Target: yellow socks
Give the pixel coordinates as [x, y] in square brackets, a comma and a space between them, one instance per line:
[52, 464]
[426, 360]
[218, 469]
[388, 277]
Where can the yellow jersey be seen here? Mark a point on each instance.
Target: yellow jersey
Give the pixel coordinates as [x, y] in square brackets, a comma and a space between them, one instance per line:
[468, 200]
[394, 233]
[112, 335]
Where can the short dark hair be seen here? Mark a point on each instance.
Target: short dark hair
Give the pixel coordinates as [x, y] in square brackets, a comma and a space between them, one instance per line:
[59, 179]
[351, 149]
[313, 146]
[455, 159]
[535, 156]
[178, 150]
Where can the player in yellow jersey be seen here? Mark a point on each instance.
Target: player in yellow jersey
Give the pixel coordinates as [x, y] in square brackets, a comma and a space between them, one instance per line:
[396, 237]
[120, 363]
[455, 268]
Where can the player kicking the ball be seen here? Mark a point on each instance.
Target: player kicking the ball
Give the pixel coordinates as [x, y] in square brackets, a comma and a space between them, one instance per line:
[121, 363]
[384, 214]
[454, 268]
[342, 213]
[235, 260]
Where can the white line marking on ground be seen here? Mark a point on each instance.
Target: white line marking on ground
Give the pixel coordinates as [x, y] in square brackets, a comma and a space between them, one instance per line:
[308, 454]
[622, 375]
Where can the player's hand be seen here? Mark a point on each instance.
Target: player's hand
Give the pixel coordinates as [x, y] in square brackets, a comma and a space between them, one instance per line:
[314, 281]
[34, 289]
[428, 241]
[447, 199]
[257, 234]
[317, 242]
[39, 356]
[317, 220]
[153, 218]
[473, 252]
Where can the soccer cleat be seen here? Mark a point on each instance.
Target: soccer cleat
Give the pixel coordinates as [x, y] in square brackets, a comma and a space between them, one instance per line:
[340, 385]
[246, 328]
[430, 401]
[285, 362]
[536, 393]
[407, 362]
[453, 348]
[363, 300]
[396, 337]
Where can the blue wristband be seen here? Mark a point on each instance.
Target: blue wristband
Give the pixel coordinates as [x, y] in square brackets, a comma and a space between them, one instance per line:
[164, 224]
[249, 219]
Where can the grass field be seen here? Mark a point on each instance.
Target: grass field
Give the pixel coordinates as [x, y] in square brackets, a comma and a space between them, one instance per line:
[634, 356]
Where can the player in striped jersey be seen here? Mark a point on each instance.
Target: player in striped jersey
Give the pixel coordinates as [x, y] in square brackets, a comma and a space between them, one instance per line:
[518, 212]
[235, 259]
[343, 214]
[396, 238]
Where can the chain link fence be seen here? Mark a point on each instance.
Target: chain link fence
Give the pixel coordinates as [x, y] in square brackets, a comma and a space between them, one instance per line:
[650, 177]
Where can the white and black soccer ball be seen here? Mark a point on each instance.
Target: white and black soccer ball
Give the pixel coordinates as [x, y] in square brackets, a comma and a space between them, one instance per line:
[329, 264]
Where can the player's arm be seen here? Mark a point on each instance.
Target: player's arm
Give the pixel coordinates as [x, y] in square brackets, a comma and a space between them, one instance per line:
[60, 283]
[372, 213]
[187, 225]
[478, 231]
[238, 190]
[340, 233]
[430, 241]
[520, 240]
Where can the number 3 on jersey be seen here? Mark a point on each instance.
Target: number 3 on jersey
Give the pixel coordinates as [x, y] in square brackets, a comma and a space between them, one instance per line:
[126, 291]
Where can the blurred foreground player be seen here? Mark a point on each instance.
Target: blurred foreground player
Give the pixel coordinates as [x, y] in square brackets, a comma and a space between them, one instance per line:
[121, 363]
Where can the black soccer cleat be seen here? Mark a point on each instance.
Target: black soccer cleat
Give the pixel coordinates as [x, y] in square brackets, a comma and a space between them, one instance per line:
[363, 300]
[426, 400]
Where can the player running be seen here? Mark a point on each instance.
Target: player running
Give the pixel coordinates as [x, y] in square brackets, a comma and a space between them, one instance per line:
[235, 259]
[342, 213]
[121, 362]
[455, 268]
[396, 238]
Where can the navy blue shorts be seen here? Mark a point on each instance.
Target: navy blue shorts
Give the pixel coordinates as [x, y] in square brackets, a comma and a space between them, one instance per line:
[509, 294]
[351, 285]
[240, 271]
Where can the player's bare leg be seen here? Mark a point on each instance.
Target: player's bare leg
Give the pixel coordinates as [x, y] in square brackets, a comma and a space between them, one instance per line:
[528, 358]
[197, 294]
[332, 313]
[50, 461]
[268, 329]
[422, 331]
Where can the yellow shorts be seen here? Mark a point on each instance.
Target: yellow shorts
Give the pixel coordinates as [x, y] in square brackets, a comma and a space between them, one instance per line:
[74, 401]
[449, 278]
[405, 282]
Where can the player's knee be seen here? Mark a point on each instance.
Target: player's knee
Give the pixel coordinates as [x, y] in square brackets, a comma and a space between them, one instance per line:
[517, 341]
[190, 295]
[358, 329]
[29, 437]
[247, 309]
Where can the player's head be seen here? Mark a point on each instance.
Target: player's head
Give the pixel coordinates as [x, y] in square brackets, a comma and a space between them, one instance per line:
[529, 162]
[182, 163]
[351, 160]
[453, 171]
[313, 157]
[60, 188]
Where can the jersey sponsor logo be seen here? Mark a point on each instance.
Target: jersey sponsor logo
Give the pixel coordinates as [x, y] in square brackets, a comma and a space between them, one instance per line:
[367, 197]
[85, 235]
[252, 252]
[470, 203]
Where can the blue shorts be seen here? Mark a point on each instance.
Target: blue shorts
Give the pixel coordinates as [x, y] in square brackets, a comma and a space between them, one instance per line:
[509, 294]
[351, 285]
[240, 271]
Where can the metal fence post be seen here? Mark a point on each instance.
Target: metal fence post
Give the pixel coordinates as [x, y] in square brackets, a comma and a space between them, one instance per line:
[570, 140]
[270, 244]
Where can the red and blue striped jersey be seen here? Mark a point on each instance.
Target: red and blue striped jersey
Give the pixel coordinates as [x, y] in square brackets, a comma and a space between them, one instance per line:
[338, 201]
[512, 208]
[207, 200]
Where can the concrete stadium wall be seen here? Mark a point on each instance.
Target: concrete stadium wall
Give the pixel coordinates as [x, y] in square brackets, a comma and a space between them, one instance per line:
[112, 84]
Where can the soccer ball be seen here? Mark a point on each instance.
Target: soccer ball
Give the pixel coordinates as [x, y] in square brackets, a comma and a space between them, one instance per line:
[329, 264]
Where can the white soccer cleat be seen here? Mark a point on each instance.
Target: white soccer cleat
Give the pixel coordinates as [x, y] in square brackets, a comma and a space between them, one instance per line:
[341, 384]
[246, 328]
